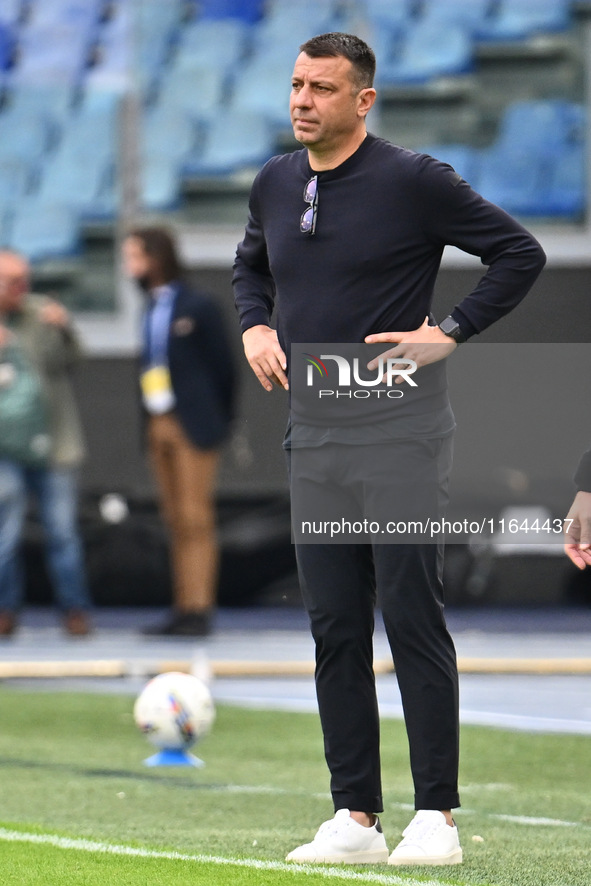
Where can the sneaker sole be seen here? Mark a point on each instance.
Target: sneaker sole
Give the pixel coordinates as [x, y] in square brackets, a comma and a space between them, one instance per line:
[454, 857]
[379, 856]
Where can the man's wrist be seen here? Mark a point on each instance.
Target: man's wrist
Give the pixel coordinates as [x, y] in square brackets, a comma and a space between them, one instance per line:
[451, 328]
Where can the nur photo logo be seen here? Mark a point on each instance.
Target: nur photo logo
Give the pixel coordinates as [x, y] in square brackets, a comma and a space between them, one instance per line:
[345, 372]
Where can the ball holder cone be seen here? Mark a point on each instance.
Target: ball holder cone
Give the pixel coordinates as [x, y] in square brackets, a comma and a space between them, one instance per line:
[174, 757]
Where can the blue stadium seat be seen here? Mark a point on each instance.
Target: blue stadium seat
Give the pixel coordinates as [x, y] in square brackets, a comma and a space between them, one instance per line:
[160, 184]
[74, 180]
[391, 13]
[246, 10]
[44, 231]
[471, 14]
[11, 11]
[520, 19]
[263, 88]
[197, 91]
[53, 54]
[7, 45]
[156, 29]
[167, 132]
[25, 136]
[430, 50]
[233, 142]
[279, 34]
[566, 191]
[114, 52]
[94, 127]
[16, 177]
[541, 127]
[219, 43]
[52, 102]
[513, 180]
[82, 13]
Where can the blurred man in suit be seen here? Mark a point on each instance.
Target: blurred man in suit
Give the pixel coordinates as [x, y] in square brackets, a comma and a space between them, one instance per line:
[187, 382]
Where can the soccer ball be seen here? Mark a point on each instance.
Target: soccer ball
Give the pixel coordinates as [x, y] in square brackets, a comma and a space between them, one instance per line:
[174, 711]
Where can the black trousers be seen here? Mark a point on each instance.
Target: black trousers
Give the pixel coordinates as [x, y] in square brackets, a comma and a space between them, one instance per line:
[341, 584]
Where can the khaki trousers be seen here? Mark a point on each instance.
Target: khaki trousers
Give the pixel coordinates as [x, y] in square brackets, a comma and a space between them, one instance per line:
[186, 479]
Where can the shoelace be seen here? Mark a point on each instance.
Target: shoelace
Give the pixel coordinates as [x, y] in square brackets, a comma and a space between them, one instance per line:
[420, 828]
[333, 825]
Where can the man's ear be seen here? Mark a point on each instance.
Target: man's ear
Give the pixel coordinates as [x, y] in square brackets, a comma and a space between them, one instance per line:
[367, 99]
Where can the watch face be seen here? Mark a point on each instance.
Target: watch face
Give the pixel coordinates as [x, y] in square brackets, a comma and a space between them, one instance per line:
[451, 328]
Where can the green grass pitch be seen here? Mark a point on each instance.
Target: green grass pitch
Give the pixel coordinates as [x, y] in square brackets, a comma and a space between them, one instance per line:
[77, 805]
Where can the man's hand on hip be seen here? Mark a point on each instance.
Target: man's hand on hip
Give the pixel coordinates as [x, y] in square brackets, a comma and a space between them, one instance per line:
[265, 356]
[427, 344]
[577, 530]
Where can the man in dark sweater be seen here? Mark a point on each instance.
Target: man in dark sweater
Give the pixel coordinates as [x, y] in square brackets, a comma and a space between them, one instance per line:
[578, 532]
[344, 240]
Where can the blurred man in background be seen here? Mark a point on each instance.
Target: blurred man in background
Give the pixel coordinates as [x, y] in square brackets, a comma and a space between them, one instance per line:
[578, 531]
[187, 383]
[40, 329]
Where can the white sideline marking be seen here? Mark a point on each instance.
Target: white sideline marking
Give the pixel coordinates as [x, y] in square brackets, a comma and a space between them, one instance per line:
[113, 849]
[544, 822]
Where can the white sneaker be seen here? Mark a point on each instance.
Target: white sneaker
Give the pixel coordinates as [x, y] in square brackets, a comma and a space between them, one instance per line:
[342, 840]
[428, 840]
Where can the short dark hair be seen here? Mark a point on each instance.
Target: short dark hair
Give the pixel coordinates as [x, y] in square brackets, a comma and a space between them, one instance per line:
[350, 47]
[159, 244]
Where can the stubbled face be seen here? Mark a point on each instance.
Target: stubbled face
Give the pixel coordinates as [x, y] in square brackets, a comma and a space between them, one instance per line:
[137, 263]
[14, 282]
[326, 108]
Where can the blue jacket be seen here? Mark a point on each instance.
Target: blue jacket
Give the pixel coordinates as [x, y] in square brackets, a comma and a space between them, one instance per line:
[202, 369]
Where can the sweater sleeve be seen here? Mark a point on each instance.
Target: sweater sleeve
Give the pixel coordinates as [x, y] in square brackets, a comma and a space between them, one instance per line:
[454, 214]
[583, 475]
[254, 288]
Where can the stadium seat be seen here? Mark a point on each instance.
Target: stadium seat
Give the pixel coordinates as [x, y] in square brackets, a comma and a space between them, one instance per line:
[430, 50]
[233, 142]
[566, 191]
[114, 53]
[263, 88]
[91, 133]
[15, 180]
[156, 28]
[52, 54]
[7, 45]
[53, 102]
[513, 180]
[470, 14]
[390, 13]
[167, 132]
[82, 13]
[25, 136]
[74, 180]
[219, 43]
[160, 183]
[11, 11]
[541, 127]
[284, 28]
[245, 10]
[519, 19]
[43, 231]
[197, 91]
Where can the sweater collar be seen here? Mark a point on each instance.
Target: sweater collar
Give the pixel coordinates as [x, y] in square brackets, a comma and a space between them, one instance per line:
[343, 168]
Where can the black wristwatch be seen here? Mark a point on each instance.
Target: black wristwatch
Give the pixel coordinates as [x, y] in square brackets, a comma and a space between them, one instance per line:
[451, 327]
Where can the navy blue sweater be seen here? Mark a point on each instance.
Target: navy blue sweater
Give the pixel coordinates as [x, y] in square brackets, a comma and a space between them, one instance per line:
[384, 218]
